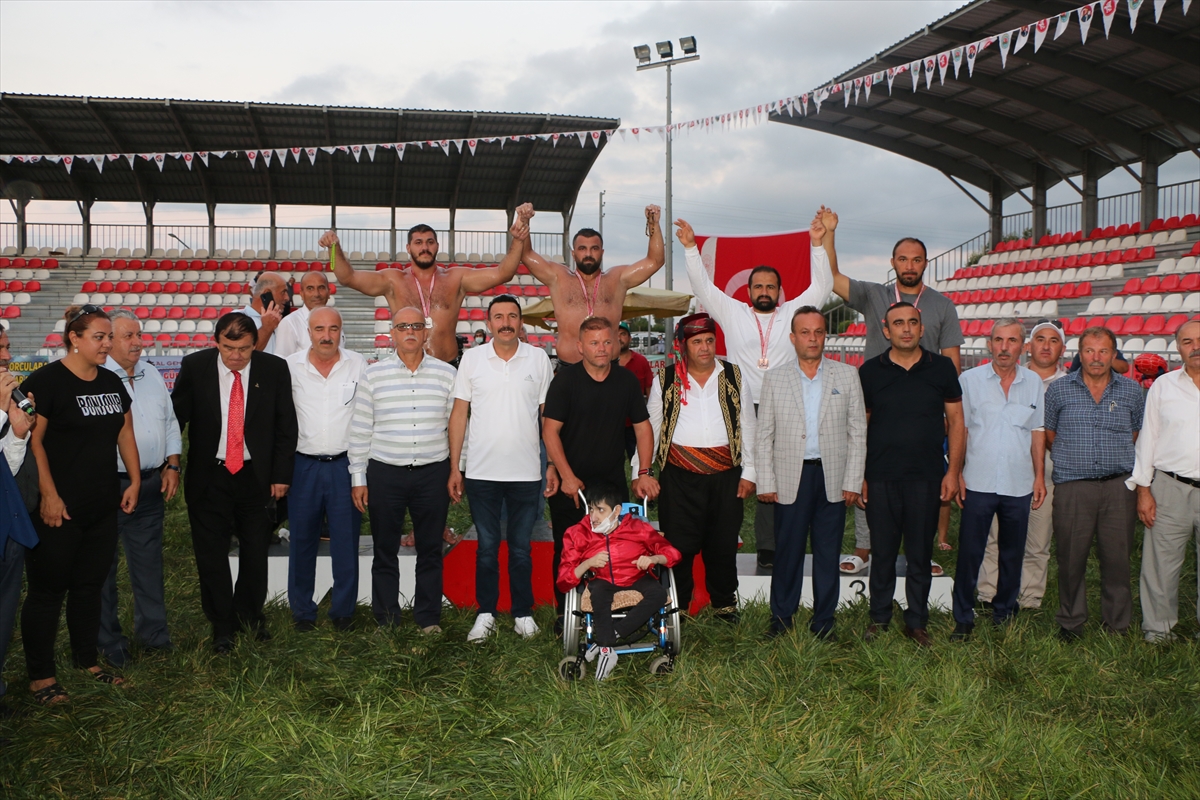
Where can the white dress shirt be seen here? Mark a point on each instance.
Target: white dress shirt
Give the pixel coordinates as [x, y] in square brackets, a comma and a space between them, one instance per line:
[1170, 437]
[741, 324]
[14, 447]
[701, 423]
[154, 425]
[325, 406]
[249, 311]
[225, 386]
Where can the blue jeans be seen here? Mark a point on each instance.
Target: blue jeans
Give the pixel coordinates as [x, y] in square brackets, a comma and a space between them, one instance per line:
[142, 535]
[321, 490]
[12, 570]
[793, 521]
[520, 500]
[1012, 514]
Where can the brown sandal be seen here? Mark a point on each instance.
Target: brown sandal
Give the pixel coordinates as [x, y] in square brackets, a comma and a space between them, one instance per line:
[51, 695]
[106, 677]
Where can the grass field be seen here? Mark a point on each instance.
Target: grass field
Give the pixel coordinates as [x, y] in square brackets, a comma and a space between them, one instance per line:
[372, 713]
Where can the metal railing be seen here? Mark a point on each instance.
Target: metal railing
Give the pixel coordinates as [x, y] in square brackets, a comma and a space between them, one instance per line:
[64, 236]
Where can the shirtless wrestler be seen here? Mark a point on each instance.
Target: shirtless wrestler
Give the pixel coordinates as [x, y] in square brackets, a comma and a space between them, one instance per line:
[589, 291]
[437, 291]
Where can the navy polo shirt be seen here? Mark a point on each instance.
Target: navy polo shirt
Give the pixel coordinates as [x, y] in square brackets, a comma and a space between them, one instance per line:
[907, 422]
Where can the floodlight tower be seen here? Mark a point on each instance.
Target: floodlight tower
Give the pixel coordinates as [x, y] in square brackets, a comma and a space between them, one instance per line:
[667, 58]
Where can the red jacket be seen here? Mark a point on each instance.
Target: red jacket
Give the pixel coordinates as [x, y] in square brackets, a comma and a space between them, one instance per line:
[632, 539]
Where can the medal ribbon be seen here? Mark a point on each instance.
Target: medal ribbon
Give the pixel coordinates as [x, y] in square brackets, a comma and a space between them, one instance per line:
[764, 340]
[591, 303]
[896, 287]
[425, 304]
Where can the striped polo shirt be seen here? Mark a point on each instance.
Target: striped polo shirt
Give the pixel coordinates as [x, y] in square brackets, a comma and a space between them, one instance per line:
[400, 416]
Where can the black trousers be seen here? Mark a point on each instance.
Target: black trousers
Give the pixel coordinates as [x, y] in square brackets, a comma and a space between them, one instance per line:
[564, 514]
[231, 505]
[902, 512]
[702, 514]
[421, 491]
[606, 630]
[70, 561]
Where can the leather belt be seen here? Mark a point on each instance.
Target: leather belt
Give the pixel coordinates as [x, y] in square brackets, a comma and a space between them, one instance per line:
[1103, 478]
[814, 461]
[324, 459]
[1189, 481]
[146, 473]
[220, 462]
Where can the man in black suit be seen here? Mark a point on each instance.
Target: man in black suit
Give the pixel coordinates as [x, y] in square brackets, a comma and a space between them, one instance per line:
[242, 441]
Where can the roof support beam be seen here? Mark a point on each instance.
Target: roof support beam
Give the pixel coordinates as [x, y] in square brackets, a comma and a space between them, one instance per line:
[261, 145]
[516, 195]
[1048, 145]
[988, 153]
[396, 181]
[44, 139]
[961, 169]
[332, 192]
[963, 189]
[462, 165]
[119, 146]
[187, 145]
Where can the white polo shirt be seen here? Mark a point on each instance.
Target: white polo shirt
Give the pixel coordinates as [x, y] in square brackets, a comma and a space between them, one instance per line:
[504, 433]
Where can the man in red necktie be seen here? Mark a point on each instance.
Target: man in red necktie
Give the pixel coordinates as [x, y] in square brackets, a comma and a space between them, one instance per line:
[242, 441]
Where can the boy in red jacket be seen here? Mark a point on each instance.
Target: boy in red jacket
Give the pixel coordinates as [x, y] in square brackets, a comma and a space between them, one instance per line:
[618, 553]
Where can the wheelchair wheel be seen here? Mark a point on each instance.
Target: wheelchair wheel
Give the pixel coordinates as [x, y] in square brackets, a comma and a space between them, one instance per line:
[572, 624]
[672, 621]
[661, 666]
[572, 669]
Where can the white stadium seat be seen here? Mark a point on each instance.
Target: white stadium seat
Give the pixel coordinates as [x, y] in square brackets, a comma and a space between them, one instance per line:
[170, 326]
[1073, 249]
[1115, 271]
[175, 275]
[1068, 275]
[201, 253]
[1178, 236]
[60, 325]
[1165, 266]
[382, 326]
[187, 326]
[1021, 309]
[205, 326]
[1035, 308]
[1144, 240]
[1151, 303]
[1133, 346]
[1192, 302]
[381, 302]
[21, 298]
[1113, 305]
[6, 298]
[1156, 345]
[1160, 238]
[1172, 302]
[98, 299]
[1132, 304]
[112, 275]
[78, 300]
[1055, 276]
[123, 252]
[1049, 308]
[1186, 264]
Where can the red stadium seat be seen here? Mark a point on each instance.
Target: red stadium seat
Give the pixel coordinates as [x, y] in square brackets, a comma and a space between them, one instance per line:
[1175, 323]
[1096, 233]
[154, 287]
[218, 287]
[187, 287]
[120, 263]
[192, 312]
[34, 263]
[1095, 322]
[138, 286]
[301, 266]
[1190, 282]
[1145, 254]
[973, 327]
[1067, 291]
[1156, 225]
[385, 314]
[1084, 289]
[1114, 324]
[1053, 291]
[287, 266]
[104, 263]
[988, 296]
[211, 313]
[12, 312]
[1132, 326]
[478, 315]
[158, 312]
[150, 264]
[163, 338]
[123, 286]
[1123, 230]
[986, 328]
[1076, 327]
[107, 286]
[1190, 220]
[1110, 231]
[53, 340]
[147, 340]
[226, 265]
[1172, 223]
[1038, 293]
[141, 312]
[463, 314]
[272, 265]
[1170, 283]
[1084, 260]
[383, 340]
[202, 287]
[51, 263]
[333, 288]
[241, 264]
[175, 312]
[255, 266]
[1132, 286]
[183, 339]
[1150, 285]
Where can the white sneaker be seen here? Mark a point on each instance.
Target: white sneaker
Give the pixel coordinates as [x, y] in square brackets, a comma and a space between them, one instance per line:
[605, 663]
[590, 654]
[525, 627]
[483, 627]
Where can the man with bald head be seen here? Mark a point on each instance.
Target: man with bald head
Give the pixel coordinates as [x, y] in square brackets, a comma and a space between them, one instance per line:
[270, 302]
[400, 461]
[325, 378]
[292, 334]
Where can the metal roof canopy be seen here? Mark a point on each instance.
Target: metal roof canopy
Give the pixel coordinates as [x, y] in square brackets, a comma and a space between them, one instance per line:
[1069, 109]
[494, 178]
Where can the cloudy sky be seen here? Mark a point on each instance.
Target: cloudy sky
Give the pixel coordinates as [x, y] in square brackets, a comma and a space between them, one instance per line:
[563, 57]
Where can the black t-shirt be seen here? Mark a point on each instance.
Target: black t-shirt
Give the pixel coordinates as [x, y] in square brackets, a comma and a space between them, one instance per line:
[907, 424]
[85, 418]
[593, 414]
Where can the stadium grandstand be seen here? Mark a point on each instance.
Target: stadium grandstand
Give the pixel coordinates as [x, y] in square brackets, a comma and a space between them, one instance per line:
[179, 279]
[1070, 114]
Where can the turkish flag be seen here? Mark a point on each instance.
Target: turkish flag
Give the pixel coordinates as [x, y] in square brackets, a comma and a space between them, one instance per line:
[728, 260]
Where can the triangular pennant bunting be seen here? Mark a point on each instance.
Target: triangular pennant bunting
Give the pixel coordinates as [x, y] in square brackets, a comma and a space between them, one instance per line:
[1039, 33]
[930, 66]
[1085, 21]
[471, 144]
[1135, 7]
[1022, 38]
[188, 158]
[98, 161]
[282, 153]
[1005, 42]
[311, 152]
[1108, 10]
[67, 161]
[943, 61]
[1064, 22]
[253, 156]
[400, 151]
[1158, 7]
[915, 69]
[266, 157]
[371, 152]
[956, 56]
[356, 150]
[972, 51]
[160, 159]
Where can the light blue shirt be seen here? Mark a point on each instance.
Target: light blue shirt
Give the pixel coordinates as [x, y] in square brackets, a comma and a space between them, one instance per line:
[155, 427]
[812, 411]
[1000, 430]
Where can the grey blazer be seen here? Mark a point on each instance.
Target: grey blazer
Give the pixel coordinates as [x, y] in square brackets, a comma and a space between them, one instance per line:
[781, 431]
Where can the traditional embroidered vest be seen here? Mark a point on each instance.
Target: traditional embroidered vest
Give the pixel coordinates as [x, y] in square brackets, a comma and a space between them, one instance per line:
[729, 393]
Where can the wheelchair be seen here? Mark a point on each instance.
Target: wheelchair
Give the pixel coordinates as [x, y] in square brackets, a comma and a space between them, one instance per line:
[661, 633]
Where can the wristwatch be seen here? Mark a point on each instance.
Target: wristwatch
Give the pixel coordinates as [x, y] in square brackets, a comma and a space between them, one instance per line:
[174, 467]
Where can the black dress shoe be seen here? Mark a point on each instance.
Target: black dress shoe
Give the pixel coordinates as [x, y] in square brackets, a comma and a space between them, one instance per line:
[766, 559]
[303, 626]
[962, 632]
[1069, 636]
[919, 635]
[223, 645]
[342, 623]
[729, 615]
[778, 628]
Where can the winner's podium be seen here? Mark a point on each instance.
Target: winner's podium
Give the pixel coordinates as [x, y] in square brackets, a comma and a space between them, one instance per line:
[754, 584]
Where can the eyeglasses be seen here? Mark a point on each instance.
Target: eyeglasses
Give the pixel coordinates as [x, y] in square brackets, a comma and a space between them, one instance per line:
[135, 377]
[84, 311]
[409, 326]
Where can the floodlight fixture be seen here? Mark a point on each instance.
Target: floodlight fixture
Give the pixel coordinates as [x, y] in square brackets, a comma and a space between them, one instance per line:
[688, 45]
[665, 49]
[642, 51]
